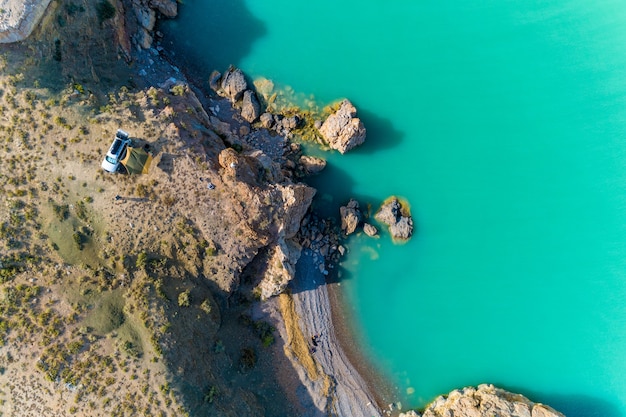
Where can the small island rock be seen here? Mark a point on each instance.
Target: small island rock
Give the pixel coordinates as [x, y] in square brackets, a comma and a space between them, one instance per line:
[484, 401]
[350, 216]
[342, 129]
[370, 230]
[390, 213]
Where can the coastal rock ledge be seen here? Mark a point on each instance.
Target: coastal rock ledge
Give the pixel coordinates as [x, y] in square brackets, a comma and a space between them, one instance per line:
[19, 18]
[484, 401]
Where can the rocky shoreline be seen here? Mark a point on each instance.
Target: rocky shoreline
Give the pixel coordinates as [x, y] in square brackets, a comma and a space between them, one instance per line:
[263, 208]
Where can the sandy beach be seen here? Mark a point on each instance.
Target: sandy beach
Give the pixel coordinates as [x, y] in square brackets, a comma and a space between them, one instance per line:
[331, 385]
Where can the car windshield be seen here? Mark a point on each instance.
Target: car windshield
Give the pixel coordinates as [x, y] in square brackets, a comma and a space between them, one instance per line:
[111, 159]
[116, 146]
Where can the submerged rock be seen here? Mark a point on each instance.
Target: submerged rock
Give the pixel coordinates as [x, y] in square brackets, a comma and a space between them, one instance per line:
[390, 213]
[484, 401]
[312, 165]
[350, 216]
[342, 129]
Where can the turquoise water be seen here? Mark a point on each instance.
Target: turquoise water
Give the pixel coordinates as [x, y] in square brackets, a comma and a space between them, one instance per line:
[504, 124]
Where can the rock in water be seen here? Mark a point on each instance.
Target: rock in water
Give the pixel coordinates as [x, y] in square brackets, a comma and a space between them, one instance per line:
[370, 230]
[342, 129]
[402, 229]
[168, 8]
[312, 165]
[350, 216]
[250, 106]
[233, 84]
[390, 213]
[484, 401]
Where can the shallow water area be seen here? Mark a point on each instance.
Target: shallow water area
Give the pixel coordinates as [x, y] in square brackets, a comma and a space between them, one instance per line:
[504, 125]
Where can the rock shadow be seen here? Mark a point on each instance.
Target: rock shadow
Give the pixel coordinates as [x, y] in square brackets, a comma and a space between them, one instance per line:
[381, 134]
[335, 186]
[573, 405]
[206, 41]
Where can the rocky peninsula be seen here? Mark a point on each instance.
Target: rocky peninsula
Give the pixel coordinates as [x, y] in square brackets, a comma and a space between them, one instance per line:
[130, 295]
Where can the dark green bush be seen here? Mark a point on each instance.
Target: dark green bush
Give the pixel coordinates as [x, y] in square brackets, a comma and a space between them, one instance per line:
[105, 10]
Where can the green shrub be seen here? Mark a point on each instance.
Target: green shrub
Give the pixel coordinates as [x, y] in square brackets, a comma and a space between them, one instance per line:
[142, 260]
[183, 299]
[105, 10]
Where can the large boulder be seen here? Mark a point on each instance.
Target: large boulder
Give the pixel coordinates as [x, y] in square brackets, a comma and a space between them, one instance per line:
[168, 8]
[400, 225]
[484, 401]
[342, 129]
[19, 18]
[146, 17]
[350, 216]
[370, 230]
[267, 120]
[250, 106]
[281, 268]
[297, 199]
[233, 84]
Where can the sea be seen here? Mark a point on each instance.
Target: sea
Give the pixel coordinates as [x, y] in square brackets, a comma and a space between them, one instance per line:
[503, 125]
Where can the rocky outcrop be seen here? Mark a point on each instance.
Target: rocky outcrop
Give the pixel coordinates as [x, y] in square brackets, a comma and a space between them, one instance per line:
[350, 216]
[342, 129]
[281, 124]
[391, 213]
[250, 106]
[231, 84]
[281, 268]
[370, 230]
[143, 26]
[19, 18]
[267, 120]
[484, 401]
[168, 8]
[312, 165]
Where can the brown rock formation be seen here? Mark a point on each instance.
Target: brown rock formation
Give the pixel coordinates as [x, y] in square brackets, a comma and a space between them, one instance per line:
[350, 216]
[250, 108]
[484, 401]
[342, 129]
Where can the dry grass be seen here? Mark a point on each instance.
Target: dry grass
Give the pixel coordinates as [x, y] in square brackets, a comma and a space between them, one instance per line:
[296, 344]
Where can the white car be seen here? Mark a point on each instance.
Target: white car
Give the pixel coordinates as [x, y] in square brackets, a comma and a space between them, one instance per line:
[116, 152]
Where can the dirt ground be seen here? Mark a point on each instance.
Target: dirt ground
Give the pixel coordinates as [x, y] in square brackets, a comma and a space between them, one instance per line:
[103, 308]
